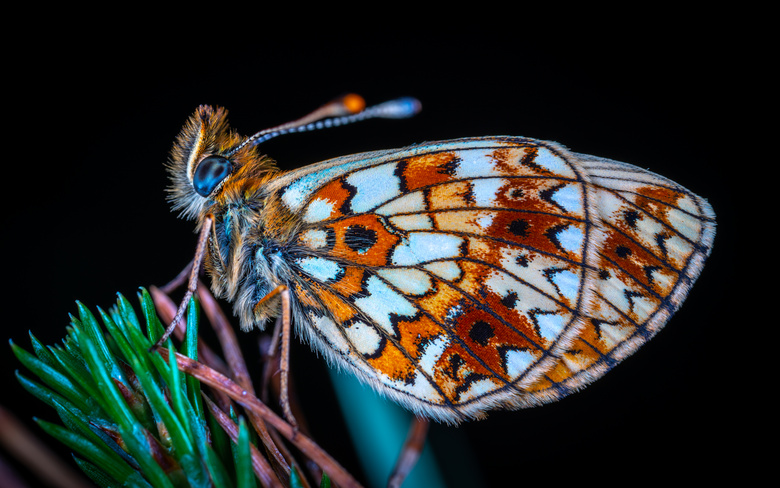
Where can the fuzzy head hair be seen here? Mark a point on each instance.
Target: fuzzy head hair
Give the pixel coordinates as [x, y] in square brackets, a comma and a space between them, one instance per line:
[205, 157]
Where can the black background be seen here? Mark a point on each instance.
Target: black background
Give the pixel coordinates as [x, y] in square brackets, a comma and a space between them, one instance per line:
[94, 105]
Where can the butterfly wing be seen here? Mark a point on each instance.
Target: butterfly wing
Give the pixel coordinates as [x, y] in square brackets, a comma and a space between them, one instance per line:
[466, 275]
[655, 236]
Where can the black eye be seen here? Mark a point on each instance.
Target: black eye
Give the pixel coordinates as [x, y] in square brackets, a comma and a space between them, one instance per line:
[210, 173]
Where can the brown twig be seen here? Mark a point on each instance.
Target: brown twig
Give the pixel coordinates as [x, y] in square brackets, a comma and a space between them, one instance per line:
[167, 308]
[262, 469]
[271, 381]
[239, 370]
[180, 279]
[307, 446]
[410, 453]
[35, 455]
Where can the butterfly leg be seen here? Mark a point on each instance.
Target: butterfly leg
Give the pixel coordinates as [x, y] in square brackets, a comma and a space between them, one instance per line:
[267, 346]
[284, 364]
[192, 285]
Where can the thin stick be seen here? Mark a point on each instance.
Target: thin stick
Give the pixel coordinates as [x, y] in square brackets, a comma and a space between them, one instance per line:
[36, 455]
[307, 446]
[180, 279]
[410, 453]
[166, 308]
[193, 282]
[237, 366]
[270, 360]
[261, 468]
[226, 336]
[272, 381]
[240, 372]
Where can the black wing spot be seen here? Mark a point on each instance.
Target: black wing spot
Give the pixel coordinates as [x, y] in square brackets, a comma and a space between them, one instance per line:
[631, 217]
[481, 332]
[547, 196]
[522, 261]
[359, 238]
[519, 227]
[552, 234]
[660, 240]
[649, 273]
[510, 300]
[623, 252]
[454, 365]
[450, 167]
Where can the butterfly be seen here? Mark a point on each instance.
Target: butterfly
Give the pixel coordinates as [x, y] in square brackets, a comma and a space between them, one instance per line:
[454, 277]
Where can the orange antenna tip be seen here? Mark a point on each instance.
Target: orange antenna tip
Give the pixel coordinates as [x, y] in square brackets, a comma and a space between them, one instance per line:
[353, 103]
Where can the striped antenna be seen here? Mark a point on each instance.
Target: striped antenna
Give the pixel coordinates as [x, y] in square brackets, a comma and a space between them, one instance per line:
[345, 110]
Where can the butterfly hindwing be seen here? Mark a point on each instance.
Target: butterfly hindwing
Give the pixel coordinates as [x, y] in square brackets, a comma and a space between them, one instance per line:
[655, 236]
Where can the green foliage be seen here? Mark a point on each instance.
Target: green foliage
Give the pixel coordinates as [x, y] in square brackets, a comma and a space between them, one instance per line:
[130, 417]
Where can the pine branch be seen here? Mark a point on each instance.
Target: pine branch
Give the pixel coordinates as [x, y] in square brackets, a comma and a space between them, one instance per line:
[133, 419]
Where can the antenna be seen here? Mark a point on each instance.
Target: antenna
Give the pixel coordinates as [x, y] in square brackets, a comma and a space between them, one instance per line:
[342, 111]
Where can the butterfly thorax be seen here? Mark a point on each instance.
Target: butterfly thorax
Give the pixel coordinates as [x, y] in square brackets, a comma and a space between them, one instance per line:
[249, 246]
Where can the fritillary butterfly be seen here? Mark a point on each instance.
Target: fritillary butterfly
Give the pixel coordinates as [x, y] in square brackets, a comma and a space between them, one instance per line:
[454, 277]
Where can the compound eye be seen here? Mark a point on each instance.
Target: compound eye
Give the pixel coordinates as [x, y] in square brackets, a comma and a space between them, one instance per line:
[210, 173]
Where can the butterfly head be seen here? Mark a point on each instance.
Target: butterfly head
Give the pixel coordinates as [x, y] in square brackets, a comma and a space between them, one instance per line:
[207, 159]
[212, 165]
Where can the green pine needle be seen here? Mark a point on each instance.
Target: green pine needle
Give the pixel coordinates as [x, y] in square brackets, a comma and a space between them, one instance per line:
[130, 417]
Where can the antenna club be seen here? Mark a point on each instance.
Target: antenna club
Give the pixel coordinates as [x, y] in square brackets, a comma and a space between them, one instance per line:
[353, 103]
[399, 108]
[411, 106]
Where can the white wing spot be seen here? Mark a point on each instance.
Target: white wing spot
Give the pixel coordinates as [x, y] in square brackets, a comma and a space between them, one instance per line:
[382, 301]
[318, 210]
[409, 280]
[365, 338]
[321, 269]
[421, 247]
[374, 186]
